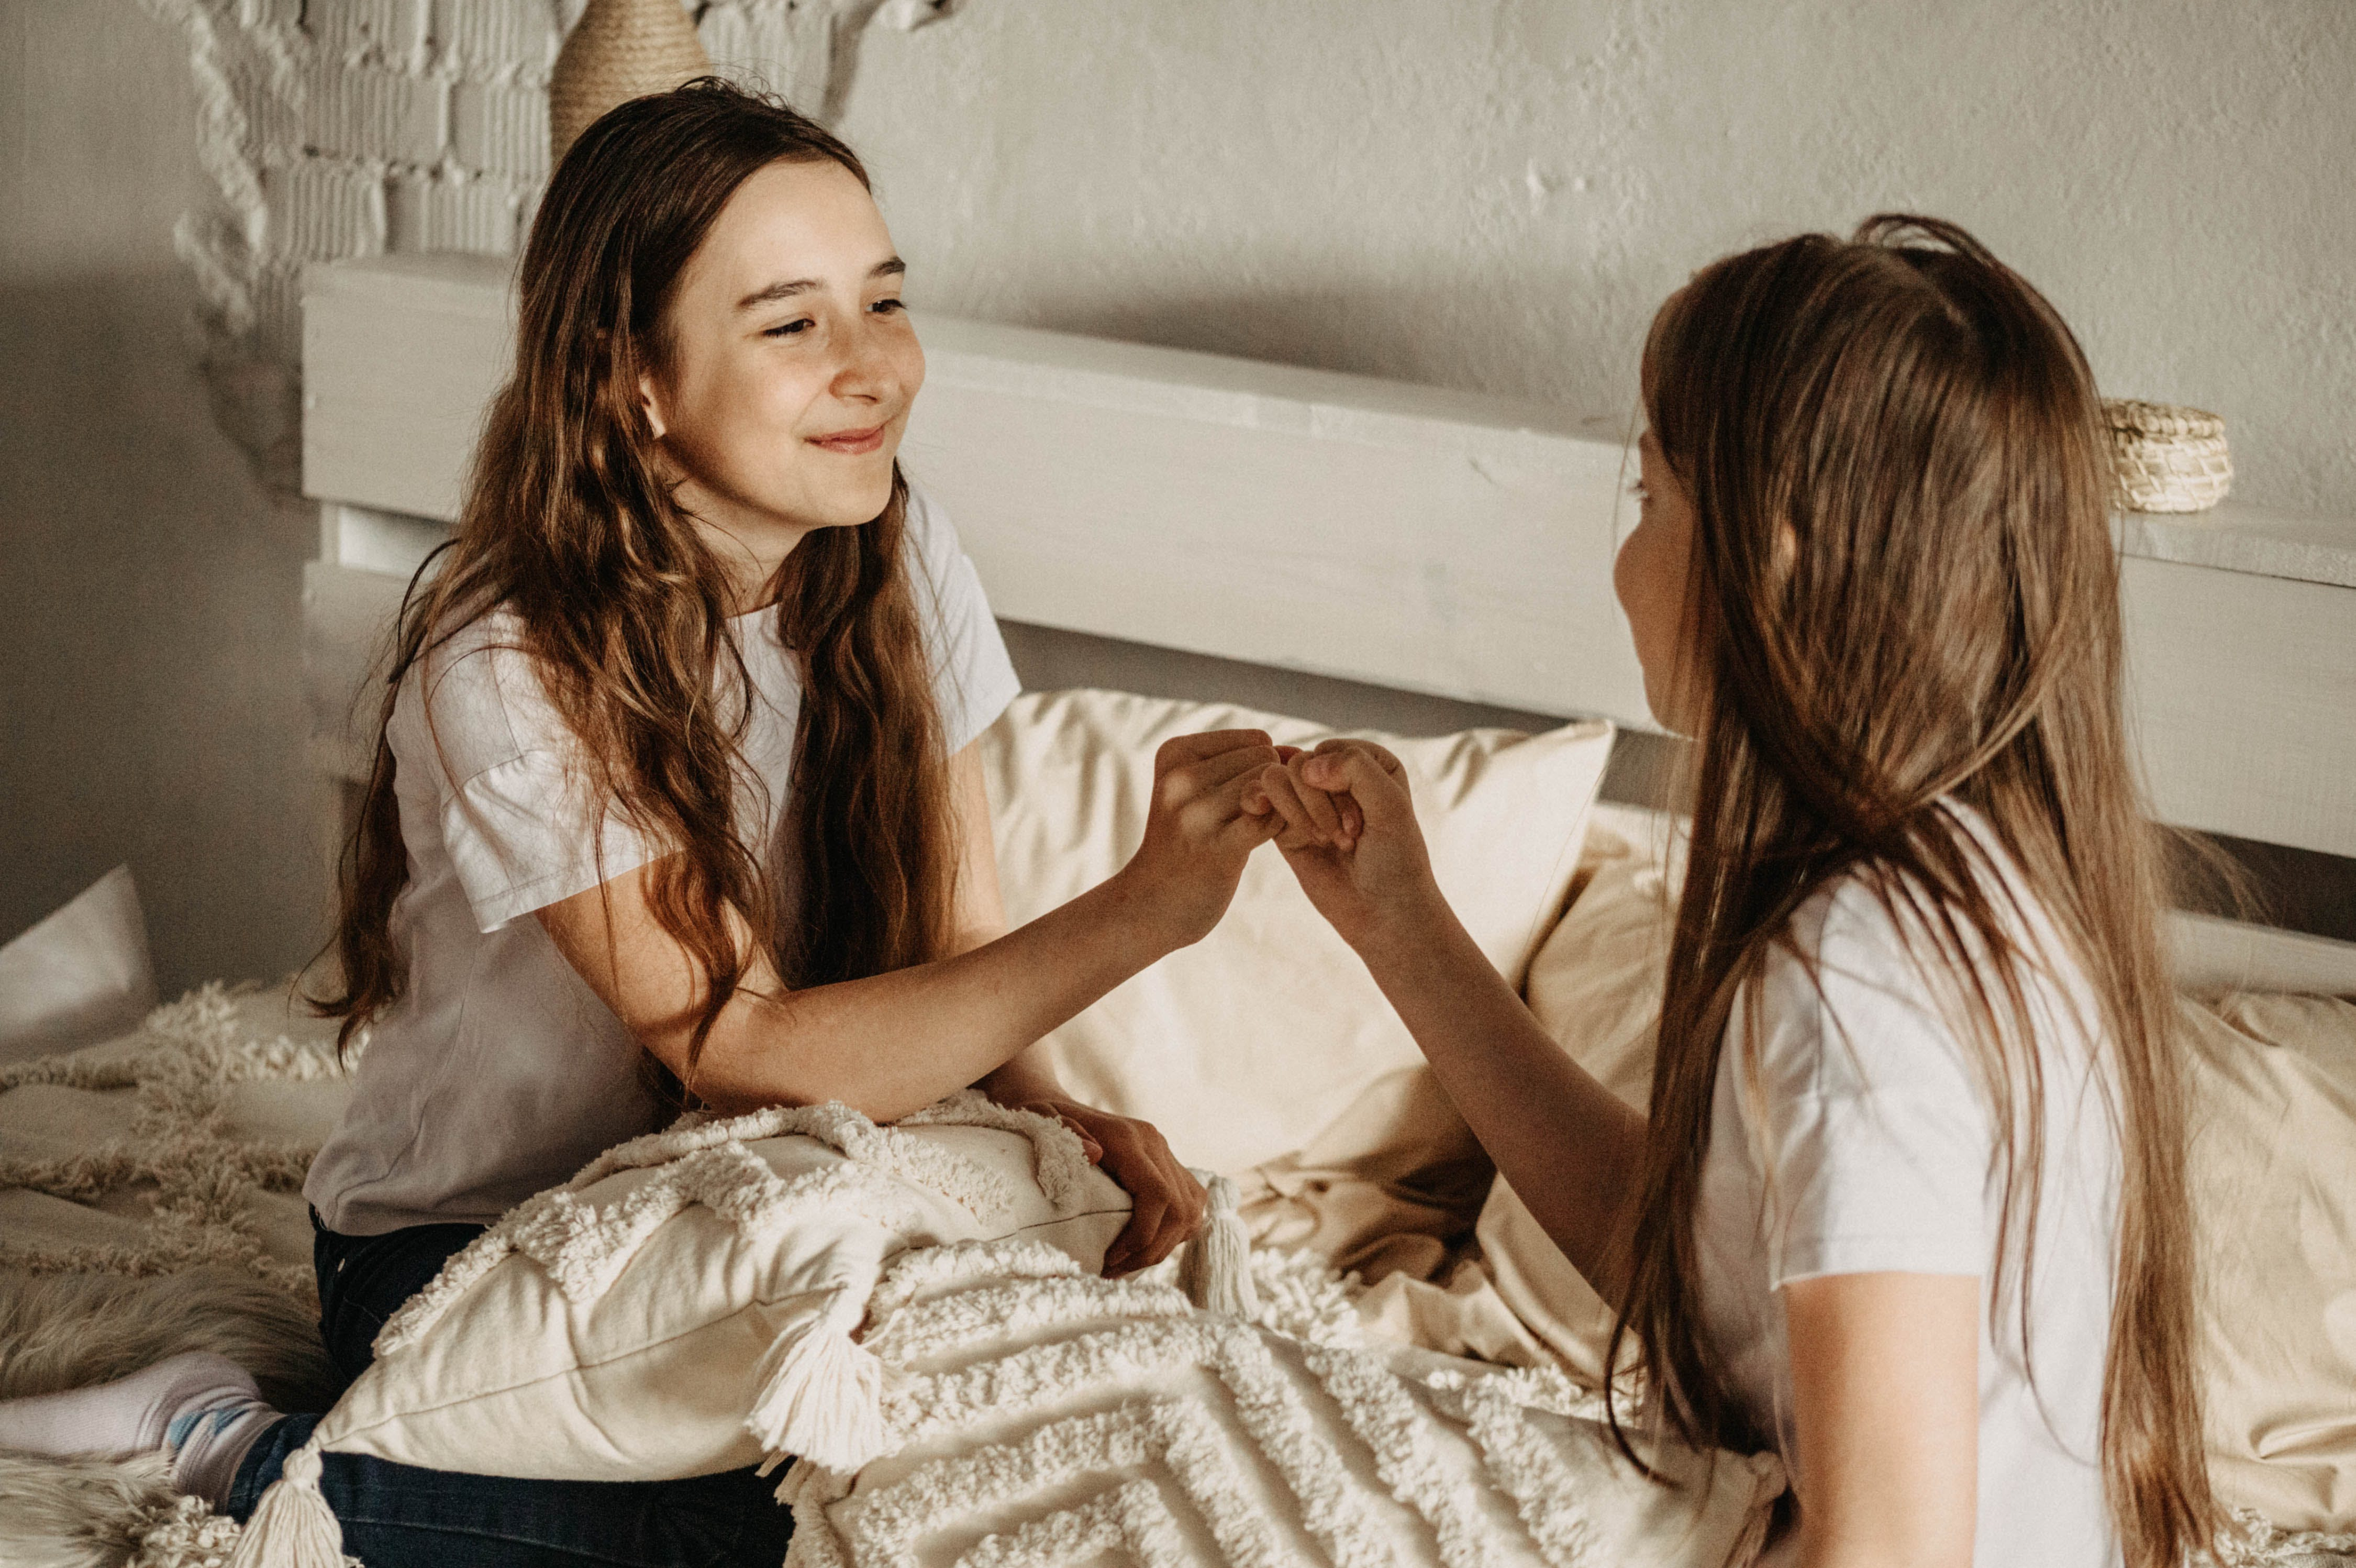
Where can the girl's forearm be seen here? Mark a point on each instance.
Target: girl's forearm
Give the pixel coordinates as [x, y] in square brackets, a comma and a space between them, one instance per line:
[890, 1044]
[1569, 1146]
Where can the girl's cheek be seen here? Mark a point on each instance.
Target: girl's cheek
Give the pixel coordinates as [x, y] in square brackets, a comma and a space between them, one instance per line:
[911, 367]
[1635, 574]
[1620, 574]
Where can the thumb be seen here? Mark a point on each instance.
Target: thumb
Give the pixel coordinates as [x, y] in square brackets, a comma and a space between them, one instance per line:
[1247, 830]
[1371, 776]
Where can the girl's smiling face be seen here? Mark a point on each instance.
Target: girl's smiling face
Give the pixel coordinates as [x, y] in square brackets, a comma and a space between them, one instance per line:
[790, 367]
[1653, 576]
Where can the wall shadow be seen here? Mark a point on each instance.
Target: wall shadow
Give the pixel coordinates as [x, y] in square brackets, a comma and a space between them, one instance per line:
[150, 637]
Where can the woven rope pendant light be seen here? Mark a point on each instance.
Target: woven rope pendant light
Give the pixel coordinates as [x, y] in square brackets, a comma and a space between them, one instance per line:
[620, 49]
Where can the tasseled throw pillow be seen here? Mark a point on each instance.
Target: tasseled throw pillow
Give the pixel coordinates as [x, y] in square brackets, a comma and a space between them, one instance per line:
[689, 1304]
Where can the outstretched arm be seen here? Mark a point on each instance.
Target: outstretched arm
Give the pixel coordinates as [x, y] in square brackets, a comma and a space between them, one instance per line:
[1167, 1201]
[1568, 1145]
[890, 1044]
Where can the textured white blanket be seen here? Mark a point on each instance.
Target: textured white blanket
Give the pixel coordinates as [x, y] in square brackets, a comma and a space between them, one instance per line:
[1039, 1416]
[1043, 1418]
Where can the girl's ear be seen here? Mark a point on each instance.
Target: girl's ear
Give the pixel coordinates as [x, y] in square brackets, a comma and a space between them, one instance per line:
[652, 403]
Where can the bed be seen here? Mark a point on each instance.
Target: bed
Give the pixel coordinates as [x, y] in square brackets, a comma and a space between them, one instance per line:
[1163, 532]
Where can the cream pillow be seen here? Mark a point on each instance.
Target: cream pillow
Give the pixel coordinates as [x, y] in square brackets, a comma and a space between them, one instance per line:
[2272, 1174]
[2274, 1204]
[687, 1303]
[1596, 986]
[1248, 1045]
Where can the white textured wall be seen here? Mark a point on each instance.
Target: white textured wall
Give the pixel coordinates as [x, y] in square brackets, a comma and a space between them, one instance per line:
[1481, 193]
[338, 128]
[1495, 194]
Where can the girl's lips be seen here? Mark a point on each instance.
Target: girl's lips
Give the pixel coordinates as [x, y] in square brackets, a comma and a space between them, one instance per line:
[850, 441]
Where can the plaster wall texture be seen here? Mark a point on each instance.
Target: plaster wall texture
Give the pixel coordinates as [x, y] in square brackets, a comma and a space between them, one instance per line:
[150, 606]
[1488, 194]
[167, 167]
[1497, 194]
[341, 128]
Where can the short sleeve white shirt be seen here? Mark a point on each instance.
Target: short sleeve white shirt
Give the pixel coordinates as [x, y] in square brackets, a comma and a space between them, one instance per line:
[498, 1072]
[1876, 1124]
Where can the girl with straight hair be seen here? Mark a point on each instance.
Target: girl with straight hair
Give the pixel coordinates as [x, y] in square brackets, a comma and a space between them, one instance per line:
[676, 801]
[1910, 1203]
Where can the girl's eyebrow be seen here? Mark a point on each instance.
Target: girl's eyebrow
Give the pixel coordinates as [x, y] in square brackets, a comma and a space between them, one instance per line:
[895, 267]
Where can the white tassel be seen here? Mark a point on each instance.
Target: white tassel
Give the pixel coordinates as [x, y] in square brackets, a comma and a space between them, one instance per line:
[1217, 1271]
[805, 1479]
[291, 1527]
[821, 1393]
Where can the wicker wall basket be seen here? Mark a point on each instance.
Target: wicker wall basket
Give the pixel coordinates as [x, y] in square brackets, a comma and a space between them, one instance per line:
[2168, 458]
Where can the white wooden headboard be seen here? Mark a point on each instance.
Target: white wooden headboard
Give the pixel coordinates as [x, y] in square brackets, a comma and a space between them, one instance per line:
[1406, 537]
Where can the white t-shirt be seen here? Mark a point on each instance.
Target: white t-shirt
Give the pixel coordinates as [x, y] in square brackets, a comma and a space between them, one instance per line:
[1881, 1137]
[498, 1072]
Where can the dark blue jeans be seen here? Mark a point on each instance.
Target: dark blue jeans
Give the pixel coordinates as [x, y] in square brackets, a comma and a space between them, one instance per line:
[398, 1516]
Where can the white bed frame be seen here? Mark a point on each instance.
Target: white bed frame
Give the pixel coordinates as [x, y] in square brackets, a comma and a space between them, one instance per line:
[1408, 537]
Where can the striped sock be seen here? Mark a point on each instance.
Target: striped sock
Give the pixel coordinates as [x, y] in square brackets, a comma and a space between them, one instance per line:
[204, 1408]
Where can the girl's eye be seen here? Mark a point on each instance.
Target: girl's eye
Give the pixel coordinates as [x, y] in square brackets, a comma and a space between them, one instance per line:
[790, 328]
[887, 306]
[1636, 488]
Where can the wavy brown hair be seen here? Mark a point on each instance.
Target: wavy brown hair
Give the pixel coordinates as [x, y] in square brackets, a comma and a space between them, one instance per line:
[624, 610]
[1903, 594]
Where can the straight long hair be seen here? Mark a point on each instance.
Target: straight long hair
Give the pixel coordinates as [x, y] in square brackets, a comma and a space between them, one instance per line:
[622, 609]
[1903, 594]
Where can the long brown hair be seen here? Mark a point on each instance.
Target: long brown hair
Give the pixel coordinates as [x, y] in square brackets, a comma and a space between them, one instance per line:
[1904, 594]
[622, 609]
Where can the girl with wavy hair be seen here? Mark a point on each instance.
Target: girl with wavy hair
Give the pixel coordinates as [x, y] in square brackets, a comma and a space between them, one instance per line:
[676, 800]
[1910, 1203]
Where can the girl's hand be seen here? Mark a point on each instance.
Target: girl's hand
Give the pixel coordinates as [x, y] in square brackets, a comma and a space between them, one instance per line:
[1197, 834]
[1168, 1201]
[1349, 833]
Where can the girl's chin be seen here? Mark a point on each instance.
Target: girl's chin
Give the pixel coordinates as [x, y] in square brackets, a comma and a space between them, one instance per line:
[850, 508]
[853, 489]
[800, 502]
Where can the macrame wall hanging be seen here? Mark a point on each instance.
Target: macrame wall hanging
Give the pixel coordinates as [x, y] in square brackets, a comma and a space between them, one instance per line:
[330, 129]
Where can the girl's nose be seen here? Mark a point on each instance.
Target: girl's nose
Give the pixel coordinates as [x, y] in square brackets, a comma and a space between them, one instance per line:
[865, 371]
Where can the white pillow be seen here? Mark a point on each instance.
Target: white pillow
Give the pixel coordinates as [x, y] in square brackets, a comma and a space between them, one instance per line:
[1040, 1419]
[79, 976]
[1248, 1045]
[687, 1303]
